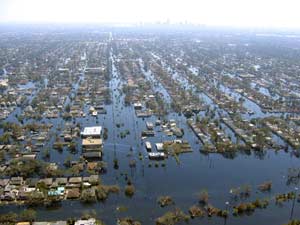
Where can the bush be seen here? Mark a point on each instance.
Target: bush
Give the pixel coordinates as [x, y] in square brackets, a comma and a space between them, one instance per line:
[172, 217]
[223, 213]
[211, 210]
[285, 197]
[103, 191]
[129, 190]
[261, 203]
[128, 221]
[165, 201]
[196, 211]
[72, 147]
[244, 207]
[266, 186]
[113, 189]
[203, 197]
[88, 195]
[116, 164]
[293, 222]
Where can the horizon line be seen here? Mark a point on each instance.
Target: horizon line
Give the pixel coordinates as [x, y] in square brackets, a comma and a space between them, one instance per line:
[148, 24]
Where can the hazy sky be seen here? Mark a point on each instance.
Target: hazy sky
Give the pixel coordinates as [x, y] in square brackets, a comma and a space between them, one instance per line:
[262, 13]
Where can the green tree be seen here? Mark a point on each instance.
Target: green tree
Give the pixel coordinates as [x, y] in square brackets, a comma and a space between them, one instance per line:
[28, 215]
[5, 138]
[8, 218]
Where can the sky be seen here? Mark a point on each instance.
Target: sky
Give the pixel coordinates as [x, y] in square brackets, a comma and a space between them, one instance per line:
[253, 13]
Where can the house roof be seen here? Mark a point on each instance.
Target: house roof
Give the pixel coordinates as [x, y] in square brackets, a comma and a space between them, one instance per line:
[90, 221]
[75, 179]
[73, 193]
[61, 180]
[47, 181]
[159, 146]
[92, 131]
[16, 180]
[92, 165]
[31, 182]
[23, 223]
[4, 182]
[92, 154]
[94, 179]
[91, 142]
[50, 223]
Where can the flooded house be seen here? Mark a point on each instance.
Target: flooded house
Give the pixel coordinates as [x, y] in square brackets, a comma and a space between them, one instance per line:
[157, 155]
[149, 125]
[92, 142]
[148, 146]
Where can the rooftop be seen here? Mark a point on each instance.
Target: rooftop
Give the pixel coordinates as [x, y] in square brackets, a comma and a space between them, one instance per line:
[90, 142]
[92, 131]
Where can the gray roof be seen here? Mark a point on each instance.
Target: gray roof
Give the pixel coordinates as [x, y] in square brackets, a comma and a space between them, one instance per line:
[50, 223]
[61, 180]
[75, 179]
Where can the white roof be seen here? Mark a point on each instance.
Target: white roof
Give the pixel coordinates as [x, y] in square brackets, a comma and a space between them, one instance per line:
[91, 221]
[92, 131]
[156, 154]
[159, 146]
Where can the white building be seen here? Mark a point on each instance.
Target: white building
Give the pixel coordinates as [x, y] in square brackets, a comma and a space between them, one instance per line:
[91, 221]
[159, 147]
[94, 132]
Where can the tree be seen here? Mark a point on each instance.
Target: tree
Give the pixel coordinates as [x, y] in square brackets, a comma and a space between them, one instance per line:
[28, 215]
[116, 164]
[129, 190]
[2, 156]
[72, 146]
[203, 197]
[8, 218]
[88, 195]
[5, 138]
[68, 108]
[46, 154]
[24, 167]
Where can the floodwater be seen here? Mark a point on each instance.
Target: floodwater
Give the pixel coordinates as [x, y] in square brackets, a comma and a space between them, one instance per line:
[181, 180]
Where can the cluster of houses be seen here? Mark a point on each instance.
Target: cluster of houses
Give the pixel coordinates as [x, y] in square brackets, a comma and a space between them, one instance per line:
[160, 154]
[287, 130]
[48, 102]
[35, 136]
[183, 100]
[11, 98]
[170, 128]
[20, 189]
[267, 102]
[252, 135]
[139, 91]
[141, 110]
[212, 137]
[93, 91]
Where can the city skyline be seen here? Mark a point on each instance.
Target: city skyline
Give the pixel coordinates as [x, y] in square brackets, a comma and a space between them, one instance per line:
[254, 13]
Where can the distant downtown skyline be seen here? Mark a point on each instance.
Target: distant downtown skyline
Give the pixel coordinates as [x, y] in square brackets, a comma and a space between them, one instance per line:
[259, 13]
